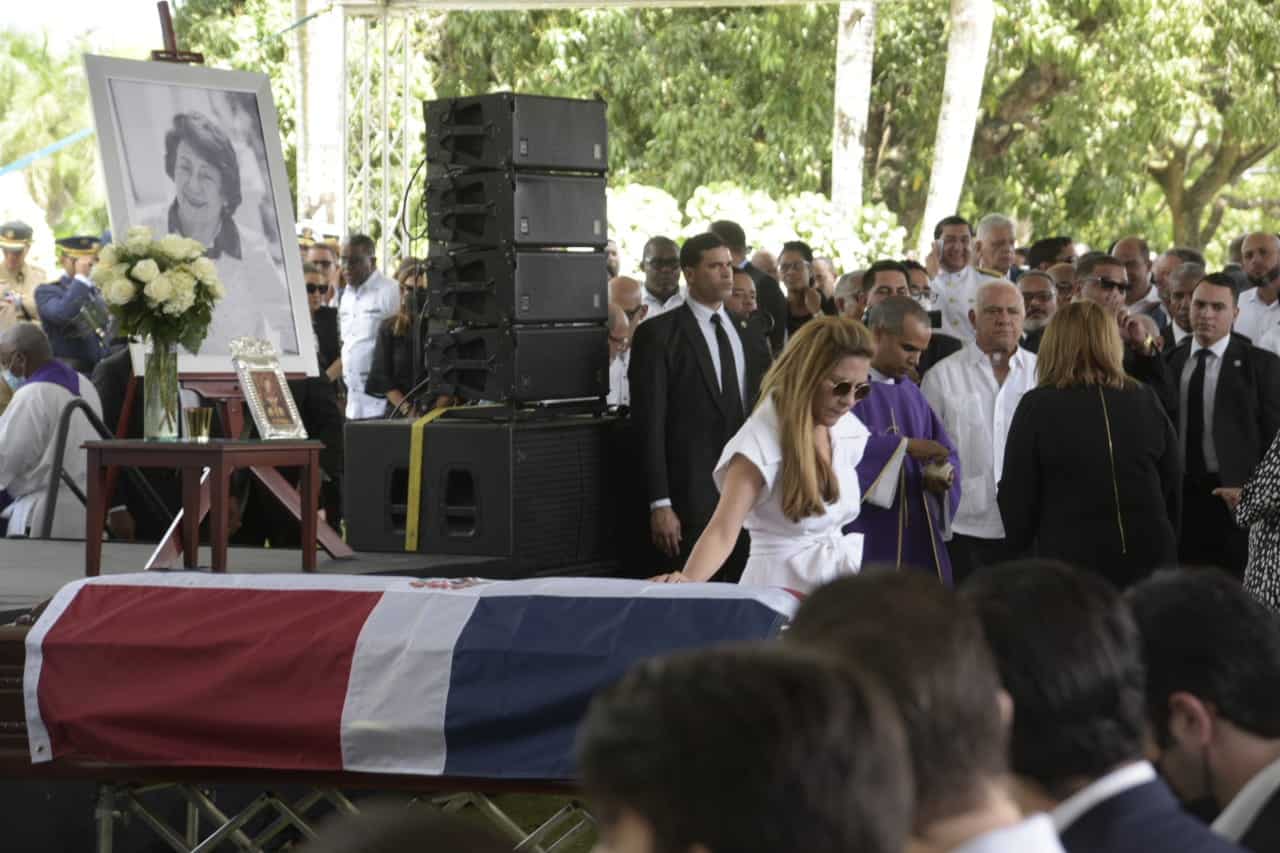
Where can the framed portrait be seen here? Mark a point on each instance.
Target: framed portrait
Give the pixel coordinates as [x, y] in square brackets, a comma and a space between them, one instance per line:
[196, 151]
[266, 389]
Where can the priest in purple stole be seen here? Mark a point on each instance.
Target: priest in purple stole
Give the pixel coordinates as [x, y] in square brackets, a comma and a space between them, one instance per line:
[906, 531]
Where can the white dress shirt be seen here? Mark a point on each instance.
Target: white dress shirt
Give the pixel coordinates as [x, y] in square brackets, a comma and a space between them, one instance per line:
[1212, 368]
[619, 387]
[957, 293]
[1112, 785]
[877, 376]
[360, 313]
[1243, 809]
[1030, 835]
[657, 308]
[1256, 317]
[1178, 332]
[977, 411]
[702, 313]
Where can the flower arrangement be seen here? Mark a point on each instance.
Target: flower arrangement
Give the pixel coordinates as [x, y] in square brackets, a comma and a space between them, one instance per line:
[164, 291]
[161, 289]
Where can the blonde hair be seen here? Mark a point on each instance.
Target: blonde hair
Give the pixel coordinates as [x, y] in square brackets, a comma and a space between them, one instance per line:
[407, 274]
[1081, 346]
[809, 483]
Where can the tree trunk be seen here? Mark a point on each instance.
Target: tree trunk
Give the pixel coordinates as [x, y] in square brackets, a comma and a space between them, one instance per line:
[1188, 200]
[967, 50]
[855, 53]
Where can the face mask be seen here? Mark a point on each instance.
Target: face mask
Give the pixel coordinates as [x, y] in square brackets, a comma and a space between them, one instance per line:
[14, 381]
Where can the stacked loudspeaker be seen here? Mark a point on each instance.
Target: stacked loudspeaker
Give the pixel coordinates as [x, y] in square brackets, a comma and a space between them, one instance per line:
[517, 310]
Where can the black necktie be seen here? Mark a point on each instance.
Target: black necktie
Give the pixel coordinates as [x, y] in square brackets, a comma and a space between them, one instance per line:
[1195, 418]
[729, 390]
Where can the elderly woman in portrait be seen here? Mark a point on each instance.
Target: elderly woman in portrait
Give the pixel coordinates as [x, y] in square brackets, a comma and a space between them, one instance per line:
[201, 161]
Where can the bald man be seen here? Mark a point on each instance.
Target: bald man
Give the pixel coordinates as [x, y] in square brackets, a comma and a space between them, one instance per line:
[42, 387]
[1142, 297]
[619, 346]
[975, 392]
[628, 294]
[1259, 307]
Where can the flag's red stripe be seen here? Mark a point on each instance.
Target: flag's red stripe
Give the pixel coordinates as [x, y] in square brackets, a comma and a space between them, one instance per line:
[223, 677]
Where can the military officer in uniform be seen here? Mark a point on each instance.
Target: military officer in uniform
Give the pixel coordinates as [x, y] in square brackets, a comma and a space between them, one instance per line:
[72, 309]
[18, 279]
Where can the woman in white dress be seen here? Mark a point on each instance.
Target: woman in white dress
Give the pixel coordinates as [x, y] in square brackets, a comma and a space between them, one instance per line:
[789, 475]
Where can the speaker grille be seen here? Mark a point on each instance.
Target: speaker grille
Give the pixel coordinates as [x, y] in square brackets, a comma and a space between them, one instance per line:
[557, 480]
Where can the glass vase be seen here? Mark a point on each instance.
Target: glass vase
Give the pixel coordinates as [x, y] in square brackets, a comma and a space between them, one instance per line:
[160, 392]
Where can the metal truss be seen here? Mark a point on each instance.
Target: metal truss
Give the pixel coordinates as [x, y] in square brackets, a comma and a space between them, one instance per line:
[382, 125]
[206, 827]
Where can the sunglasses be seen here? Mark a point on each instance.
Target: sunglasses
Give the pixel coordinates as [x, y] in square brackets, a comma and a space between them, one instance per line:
[317, 288]
[324, 265]
[860, 390]
[1110, 284]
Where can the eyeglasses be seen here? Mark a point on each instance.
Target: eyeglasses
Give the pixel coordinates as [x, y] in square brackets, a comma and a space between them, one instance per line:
[1045, 296]
[860, 390]
[1108, 284]
[793, 266]
[317, 288]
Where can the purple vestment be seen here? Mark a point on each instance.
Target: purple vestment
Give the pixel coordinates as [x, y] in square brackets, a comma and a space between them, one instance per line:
[910, 533]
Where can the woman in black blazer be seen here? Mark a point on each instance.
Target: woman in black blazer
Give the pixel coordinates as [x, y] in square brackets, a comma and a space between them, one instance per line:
[1092, 472]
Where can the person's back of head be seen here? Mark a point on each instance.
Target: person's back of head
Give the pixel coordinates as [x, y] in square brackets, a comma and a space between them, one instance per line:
[746, 750]
[732, 235]
[926, 646]
[1206, 639]
[1044, 253]
[1068, 653]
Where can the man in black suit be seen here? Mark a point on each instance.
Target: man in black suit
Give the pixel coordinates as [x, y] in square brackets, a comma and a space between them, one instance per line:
[1079, 715]
[1228, 414]
[772, 301]
[694, 377]
[1213, 698]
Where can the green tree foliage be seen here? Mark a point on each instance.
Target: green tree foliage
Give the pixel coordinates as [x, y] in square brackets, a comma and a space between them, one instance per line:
[43, 98]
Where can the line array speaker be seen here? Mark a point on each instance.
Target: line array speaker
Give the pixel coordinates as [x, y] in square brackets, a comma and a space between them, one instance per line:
[491, 209]
[503, 131]
[500, 287]
[522, 364]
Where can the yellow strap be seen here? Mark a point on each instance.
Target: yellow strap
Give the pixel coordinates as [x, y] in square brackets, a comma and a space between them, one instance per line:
[415, 475]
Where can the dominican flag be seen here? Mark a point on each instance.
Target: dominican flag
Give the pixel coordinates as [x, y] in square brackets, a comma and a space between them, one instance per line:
[368, 674]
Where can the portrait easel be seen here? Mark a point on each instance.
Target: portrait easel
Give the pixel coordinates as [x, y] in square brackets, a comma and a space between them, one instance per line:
[224, 393]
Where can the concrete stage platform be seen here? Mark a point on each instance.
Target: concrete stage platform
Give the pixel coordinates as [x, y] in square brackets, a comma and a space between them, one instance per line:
[32, 570]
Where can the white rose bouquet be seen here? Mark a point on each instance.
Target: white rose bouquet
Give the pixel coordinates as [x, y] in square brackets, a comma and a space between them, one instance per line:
[161, 289]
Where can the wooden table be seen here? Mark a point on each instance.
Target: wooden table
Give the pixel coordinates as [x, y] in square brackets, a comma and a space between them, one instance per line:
[221, 457]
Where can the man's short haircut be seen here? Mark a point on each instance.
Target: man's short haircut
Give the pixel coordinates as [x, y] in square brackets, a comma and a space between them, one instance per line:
[1203, 634]
[362, 241]
[731, 233]
[1224, 279]
[654, 242]
[882, 266]
[950, 220]
[926, 646]
[325, 246]
[1187, 272]
[824, 260]
[1092, 260]
[691, 251]
[910, 265]
[763, 749]
[1142, 246]
[1187, 256]
[891, 315]
[993, 220]
[1069, 654]
[1046, 251]
[849, 284]
[28, 339]
[980, 295]
[1030, 274]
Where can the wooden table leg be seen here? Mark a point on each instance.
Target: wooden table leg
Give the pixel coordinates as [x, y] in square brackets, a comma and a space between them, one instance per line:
[219, 508]
[310, 509]
[95, 513]
[190, 517]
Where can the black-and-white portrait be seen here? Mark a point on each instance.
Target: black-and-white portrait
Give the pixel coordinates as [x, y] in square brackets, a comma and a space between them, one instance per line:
[188, 156]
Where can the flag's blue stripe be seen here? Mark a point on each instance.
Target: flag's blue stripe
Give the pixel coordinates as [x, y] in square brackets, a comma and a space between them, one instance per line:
[524, 669]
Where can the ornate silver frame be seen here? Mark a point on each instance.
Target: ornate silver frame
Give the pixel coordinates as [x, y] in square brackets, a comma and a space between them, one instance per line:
[254, 355]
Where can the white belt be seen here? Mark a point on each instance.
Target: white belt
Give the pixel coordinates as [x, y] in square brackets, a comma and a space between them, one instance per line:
[819, 557]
